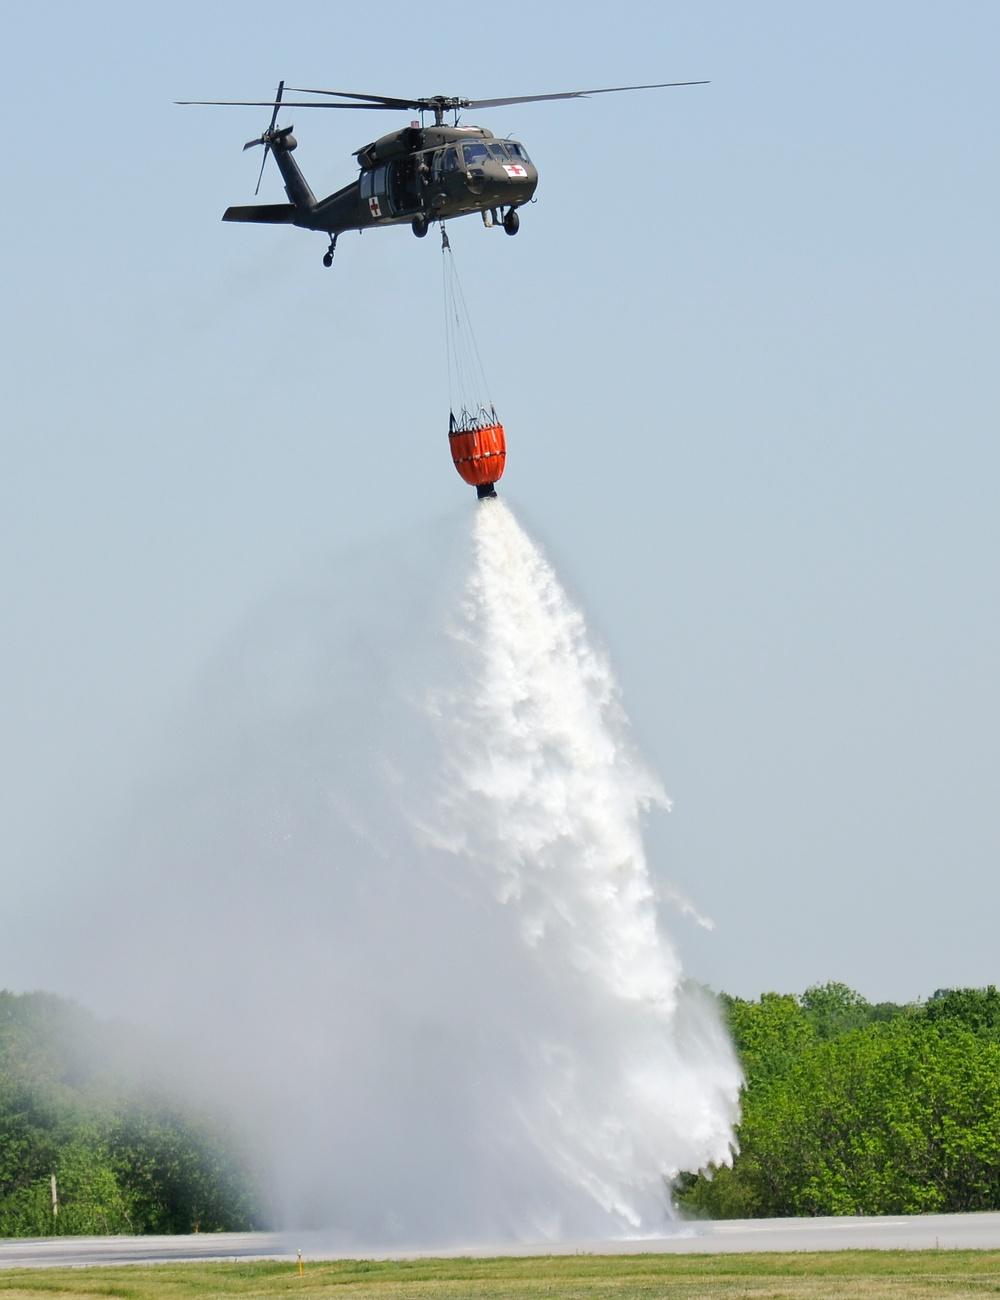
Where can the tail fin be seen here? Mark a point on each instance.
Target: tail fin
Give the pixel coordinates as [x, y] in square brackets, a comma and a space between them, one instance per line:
[266, 213]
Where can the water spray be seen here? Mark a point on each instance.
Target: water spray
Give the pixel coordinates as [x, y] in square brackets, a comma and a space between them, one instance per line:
[425, 757]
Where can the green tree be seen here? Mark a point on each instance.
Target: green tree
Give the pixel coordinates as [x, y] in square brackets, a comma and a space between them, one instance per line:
[898, 1115]
[977, 1009]
[769, 1035]
[182, 1174]
[125, 1158]
[834, 1009]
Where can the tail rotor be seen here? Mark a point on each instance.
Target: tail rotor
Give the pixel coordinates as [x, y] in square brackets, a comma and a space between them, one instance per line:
[269, 136]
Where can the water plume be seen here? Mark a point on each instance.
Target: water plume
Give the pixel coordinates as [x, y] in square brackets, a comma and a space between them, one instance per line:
[543, 797]
[397, 914]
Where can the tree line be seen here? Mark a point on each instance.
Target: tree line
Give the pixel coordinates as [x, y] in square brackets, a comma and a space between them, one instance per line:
[126, 1156]
[851, 1107]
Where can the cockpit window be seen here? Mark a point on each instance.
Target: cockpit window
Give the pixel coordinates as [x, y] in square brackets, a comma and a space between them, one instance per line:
[518, 151]
[475, 154]
[497, 151]
[451, 160]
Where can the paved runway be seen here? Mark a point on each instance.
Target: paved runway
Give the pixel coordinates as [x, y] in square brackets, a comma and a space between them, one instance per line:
[907, 1232]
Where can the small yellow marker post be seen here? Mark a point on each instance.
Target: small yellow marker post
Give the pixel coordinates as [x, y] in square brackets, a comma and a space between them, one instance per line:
[300, 1263]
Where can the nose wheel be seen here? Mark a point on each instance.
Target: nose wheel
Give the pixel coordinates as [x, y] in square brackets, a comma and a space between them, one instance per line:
[328, 255]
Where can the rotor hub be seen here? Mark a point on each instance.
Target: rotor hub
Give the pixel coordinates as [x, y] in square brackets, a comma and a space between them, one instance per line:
[441, 104]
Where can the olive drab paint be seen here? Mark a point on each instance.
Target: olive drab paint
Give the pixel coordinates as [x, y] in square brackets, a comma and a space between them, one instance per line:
[411, 177]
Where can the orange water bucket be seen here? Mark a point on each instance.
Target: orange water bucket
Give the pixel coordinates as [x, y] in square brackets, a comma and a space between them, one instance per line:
[479, 454]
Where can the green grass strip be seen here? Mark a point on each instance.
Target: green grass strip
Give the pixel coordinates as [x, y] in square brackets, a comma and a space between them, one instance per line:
[903, 1275]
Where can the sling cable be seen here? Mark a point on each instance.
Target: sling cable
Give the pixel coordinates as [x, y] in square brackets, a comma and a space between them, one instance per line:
[478, 445]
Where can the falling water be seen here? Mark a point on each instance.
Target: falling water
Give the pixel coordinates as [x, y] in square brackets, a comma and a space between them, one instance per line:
[391, 901]
[542, 800]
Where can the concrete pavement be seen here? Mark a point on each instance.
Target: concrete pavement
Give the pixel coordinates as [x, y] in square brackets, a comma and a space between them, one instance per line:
[733, 1236]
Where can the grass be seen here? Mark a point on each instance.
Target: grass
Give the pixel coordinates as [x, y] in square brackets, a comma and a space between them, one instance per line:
[902, 1275]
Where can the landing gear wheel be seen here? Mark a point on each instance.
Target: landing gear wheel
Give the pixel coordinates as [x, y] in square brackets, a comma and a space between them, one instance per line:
[512, 222]
[420, 226]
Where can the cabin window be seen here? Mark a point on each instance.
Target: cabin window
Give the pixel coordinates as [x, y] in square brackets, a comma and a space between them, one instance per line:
[367, 184]
[475, 154]
[451, 160]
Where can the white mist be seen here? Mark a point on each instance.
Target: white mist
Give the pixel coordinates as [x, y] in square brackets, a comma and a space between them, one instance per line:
[391, 903]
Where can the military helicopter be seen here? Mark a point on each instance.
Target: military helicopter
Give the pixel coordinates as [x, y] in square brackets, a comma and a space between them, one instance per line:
[417, 175]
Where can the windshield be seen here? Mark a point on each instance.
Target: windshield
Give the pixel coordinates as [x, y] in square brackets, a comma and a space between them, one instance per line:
[517, 151]
[475, 154]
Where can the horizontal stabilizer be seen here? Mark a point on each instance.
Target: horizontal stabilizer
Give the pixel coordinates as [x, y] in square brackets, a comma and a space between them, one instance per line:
[268, 213]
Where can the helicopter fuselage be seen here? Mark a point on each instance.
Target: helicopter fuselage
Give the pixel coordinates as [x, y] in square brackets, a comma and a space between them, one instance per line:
[414, 176]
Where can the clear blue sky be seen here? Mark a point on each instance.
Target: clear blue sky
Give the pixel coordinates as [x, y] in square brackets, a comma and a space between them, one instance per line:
[745, 347]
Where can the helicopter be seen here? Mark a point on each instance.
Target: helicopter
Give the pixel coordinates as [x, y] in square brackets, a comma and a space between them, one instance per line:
[417, 175]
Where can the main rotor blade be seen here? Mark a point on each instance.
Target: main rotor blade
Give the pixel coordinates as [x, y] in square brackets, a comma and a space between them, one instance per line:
[388, 101]
[430, 104]
[284, 103]
[578, 94]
